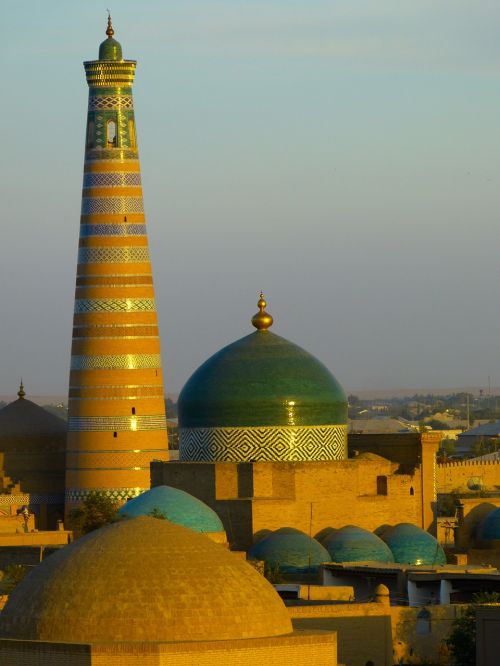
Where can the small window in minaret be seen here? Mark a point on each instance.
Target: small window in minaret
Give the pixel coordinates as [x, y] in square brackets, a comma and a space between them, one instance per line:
[131, 133]
[133, 410]
[111, 133]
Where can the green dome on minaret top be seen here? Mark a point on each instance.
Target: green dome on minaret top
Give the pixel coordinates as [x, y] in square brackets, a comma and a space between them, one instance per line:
[262, 398]
[110, 49]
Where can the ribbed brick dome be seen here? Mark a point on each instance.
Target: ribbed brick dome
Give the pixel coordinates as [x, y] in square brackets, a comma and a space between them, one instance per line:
[412, 545]
[291, 550]
[143, 579]
[354, 544]
[489, 528]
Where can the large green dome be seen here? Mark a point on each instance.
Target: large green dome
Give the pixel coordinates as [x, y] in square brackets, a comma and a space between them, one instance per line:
[261, 381]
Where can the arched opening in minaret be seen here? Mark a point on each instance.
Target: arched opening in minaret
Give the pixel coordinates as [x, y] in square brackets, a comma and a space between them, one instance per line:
[111, 133]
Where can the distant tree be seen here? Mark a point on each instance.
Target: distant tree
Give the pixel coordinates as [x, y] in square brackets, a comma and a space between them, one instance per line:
[58, 410]
[156, 513]
[462, 639]
[435, 424]
[13, 575]
[171, 408]
[448, 445]
[96, 510]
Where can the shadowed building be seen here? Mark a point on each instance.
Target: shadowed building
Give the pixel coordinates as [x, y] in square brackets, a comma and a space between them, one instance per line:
[32, 461]
[116, 422]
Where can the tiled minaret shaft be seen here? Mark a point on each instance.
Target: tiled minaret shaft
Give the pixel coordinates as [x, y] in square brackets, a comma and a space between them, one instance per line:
[116, 420]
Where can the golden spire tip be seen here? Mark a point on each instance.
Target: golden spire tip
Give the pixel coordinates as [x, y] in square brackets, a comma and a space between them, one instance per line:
[262, 320]
[109, 30]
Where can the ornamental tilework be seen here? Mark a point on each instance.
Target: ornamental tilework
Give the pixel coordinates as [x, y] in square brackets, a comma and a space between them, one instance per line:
[74, 495]
[87, 230]
[112, 423]
[114, 305]
[98, 102]
[114, 255]
[116, 362]
[31, 499]
[112, 179]
[111, 205]
[102, 155]
[280, 443]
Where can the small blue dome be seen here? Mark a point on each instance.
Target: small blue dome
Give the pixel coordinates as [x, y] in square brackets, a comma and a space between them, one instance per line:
[489, 529]
[354, 544]
[291, 550]
[177, 506]
[412, 545]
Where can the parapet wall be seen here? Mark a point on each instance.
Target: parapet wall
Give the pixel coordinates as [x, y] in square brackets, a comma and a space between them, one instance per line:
[455, 475]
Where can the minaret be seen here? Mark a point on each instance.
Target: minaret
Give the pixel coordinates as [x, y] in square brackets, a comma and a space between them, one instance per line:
[116, 420]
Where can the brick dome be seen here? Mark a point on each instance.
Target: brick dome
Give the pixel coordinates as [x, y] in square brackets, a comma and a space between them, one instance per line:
[143, 579]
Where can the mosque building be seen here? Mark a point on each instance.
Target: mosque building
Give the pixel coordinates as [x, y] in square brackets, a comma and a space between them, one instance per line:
[116, 422]
[263, 442]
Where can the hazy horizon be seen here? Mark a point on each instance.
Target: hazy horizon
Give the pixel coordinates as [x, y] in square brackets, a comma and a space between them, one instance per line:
[343, 158]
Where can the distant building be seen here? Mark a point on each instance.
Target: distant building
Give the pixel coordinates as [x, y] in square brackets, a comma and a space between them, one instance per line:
[486, 431]
[32, 461]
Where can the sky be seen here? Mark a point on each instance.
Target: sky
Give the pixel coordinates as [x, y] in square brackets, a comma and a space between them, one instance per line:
[343, 156]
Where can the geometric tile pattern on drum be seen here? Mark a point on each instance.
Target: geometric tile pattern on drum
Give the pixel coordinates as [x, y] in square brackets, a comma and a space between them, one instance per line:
[272, 443]
[112, 179]
[114, 304]
[87, 230]
[110, 102]
[115, 361]
[113, 255]
[106, 423]
[75, 495]
[94, 205]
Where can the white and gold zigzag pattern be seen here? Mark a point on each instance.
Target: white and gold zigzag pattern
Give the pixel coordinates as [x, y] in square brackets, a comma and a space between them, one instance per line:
[270, 443]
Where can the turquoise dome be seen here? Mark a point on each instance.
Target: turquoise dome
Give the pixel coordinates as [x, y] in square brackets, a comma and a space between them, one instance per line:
[290, 549]
[354, 544]
[412, 545]
[261, 380]
[177, 506]
[489, 529]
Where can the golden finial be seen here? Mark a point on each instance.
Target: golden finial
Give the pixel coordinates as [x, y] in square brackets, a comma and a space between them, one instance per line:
[262, 320]
[109, 31]
[21, 392]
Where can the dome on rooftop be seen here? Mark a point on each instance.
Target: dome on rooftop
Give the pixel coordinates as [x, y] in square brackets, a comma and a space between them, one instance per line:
[412, 545]
[143, 579]
[290, 549]
[110, 49]
[354, 544]
[262, 398]
[489, 528]
[24, 417]
[175, 505]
